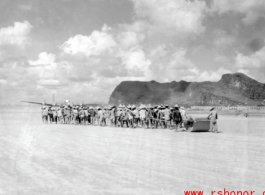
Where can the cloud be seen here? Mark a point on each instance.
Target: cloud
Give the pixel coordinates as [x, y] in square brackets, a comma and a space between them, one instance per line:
[159, 51]
[25, 7]
[3, 81]
[173, 66]
[96, 62]
[137, 26]
[212, 75]
[245, 71]
[105, 28]
[47, 73]
[14, 74]
[93, 45]
[252, 9]
[179, 61]
[223, 40]
[16, 35]
[252, 65]
[107, 53]
[49, 82]
[253, 61]
[179, 16]
[44, 59]
[128, 39]
[206, 75]
[256, 44]
[135, 59]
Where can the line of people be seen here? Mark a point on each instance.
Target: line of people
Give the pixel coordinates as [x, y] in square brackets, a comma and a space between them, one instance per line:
[129, 116]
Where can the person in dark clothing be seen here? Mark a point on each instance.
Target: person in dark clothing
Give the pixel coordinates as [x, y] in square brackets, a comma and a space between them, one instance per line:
[156, 113]
[161, 117]
[113, 116]
[50, 115]
[150, 116]
[177, 119]
[92, 116]
[124, 117]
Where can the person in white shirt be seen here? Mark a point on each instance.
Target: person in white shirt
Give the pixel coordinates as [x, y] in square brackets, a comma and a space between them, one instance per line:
[213, 116]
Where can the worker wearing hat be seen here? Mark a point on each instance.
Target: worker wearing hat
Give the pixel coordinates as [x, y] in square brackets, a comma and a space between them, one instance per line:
[63, 113]
[59, 115]
[150, 117]
[96, 109]
[167, 116]
[183, 115]
[171, 117]
[70, 113]
[122, 116]
[136, 116]
[44, 113]
[130, 117]
[54, 113]
[213, 116]
[81, 114]
[85, 113]
[155, 117]
[107, 115]
[118, 116]
[177, 119]
[50, 116]
[67, 114]
[113, 111]
[92, 116]
[161, 116]
[143, 114]
[100, 116]
[75, 115]
[126, 117]
[89, 120]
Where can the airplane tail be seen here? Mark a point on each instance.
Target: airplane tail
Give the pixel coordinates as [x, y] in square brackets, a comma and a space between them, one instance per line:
[53, 98]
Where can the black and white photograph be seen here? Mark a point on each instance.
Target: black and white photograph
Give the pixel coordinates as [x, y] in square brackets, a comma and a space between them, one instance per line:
[132, 97]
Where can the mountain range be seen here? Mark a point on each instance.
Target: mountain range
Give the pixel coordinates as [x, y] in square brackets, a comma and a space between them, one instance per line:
[230, 90]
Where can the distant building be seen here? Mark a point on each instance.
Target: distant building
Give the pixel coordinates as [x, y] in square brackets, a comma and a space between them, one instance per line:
[229, 107]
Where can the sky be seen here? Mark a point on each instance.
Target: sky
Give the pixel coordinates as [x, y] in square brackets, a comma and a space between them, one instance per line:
[80, 50]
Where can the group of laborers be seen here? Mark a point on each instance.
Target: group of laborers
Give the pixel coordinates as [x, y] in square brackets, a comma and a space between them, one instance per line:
[130, 116]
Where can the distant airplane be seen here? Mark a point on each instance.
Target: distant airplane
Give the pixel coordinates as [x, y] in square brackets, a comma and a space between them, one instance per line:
[66, 102]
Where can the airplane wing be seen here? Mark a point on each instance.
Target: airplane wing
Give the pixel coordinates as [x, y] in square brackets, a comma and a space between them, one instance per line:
[94, 105]
[37, 103]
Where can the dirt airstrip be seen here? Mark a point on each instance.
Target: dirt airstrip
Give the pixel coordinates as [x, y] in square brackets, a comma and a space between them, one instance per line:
[38, 159]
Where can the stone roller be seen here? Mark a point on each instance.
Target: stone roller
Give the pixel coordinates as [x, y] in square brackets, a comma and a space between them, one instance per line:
[200, 125]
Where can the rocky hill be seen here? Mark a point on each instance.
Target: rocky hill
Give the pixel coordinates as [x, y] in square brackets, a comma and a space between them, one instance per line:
[232, 89]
